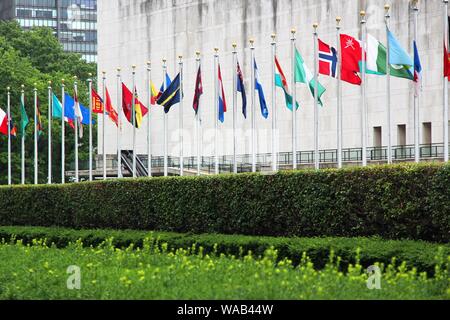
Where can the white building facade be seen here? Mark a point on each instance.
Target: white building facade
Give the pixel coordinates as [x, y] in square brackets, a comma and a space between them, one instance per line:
[132, 32]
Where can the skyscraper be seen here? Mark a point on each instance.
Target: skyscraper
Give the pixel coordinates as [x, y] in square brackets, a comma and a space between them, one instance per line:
[74, 21]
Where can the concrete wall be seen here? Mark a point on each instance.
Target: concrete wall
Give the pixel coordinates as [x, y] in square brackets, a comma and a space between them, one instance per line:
[135, 31]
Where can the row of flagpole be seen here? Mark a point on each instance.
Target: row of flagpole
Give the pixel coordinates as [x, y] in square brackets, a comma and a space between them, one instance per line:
[217, 93]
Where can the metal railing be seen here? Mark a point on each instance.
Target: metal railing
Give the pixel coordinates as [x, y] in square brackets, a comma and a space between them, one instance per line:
[328, 158]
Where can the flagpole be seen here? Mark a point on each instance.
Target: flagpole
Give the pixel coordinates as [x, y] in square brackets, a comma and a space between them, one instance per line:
[119, 124]
[149, 137]
[363, 90]
[133, 115]
[316, 101]
[180, 64]
[234, 68]
[166, 160]
[198, 122]
[416, 95]
[49, 132]
[294, 103]
[75, 86]
[274, 108]
[90, 126]
[446, 139]
[388, 84]
[63, 100]
[23, 140]
[339, 93]
[216, 110]
[9, 135]
[252, 88]
[35, 137]
[104, 123]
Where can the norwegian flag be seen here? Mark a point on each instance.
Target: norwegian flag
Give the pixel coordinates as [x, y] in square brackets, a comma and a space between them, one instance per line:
[328, 60]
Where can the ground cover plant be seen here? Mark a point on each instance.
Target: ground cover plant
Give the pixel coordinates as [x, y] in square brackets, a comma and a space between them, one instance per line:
[37, 271]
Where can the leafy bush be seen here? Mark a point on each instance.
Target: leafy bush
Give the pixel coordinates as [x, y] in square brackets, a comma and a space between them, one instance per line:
[40, 272]
[393, 202]
[418, 254]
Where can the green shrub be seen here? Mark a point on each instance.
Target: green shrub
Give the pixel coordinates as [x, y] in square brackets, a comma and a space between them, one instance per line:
[393, 202]
[417, 254]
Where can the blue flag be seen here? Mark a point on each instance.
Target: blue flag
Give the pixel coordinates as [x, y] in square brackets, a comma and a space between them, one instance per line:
[398, 55]
[171, 96]
[259, 88]
[241, 89]
[69, 110]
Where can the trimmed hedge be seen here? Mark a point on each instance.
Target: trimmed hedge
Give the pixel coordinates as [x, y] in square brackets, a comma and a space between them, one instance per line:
[417, 254]
[394, 202]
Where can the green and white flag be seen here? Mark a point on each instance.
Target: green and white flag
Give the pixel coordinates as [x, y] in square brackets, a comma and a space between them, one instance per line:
[24, 118]
[304, 75]
[376, 61]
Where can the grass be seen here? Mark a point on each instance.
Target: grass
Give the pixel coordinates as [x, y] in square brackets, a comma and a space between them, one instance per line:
[37, 271]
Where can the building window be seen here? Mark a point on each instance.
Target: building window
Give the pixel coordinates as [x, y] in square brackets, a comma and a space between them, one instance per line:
[377, 137]
[401, 135]
[427, 133]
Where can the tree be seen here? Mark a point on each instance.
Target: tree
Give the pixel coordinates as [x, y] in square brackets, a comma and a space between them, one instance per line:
[36, 57]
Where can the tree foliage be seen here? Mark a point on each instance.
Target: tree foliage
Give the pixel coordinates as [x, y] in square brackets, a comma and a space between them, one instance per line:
[36, 57]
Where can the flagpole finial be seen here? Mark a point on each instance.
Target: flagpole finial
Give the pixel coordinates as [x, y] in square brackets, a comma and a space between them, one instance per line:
[252, 43]
[293, 31]
[315, 26]
[234, 45]
[338, 20]
[197, 54]
[387, 7]
[35, 84]
[149, 63]
[362, 13]
[119, 69]
[216, 50]
[49, 83]
[164, 60]
[273, 36]
[8, 88]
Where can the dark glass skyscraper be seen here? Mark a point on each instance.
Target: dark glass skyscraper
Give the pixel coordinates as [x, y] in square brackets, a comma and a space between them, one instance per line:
[73, 21]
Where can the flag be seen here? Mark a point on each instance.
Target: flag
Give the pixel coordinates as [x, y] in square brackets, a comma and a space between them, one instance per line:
[154, 94]
[447, 55]
[23, 118]
[172, 95]
[259, 88]
[280, 81]
[304, 75]
[57, 111]
[446, 63]
[398, 55]
[97, 102]
[328, 60]
[40, 128]
[98, 105]
[377, 57]
[112, 113]
[3, 122]
[417, 69]
[163, 87]
[351, 57]
[69, 111]
[78, 113]
[139, 109]
[222, 101]
[4, 125]
[198, 90]
[241, 89]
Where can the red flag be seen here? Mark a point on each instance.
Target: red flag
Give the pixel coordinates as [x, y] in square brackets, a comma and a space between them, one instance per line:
[127, 101]
[198, 90]
[97, 102]
[110, 109]
[351, 56]
[446, 64]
